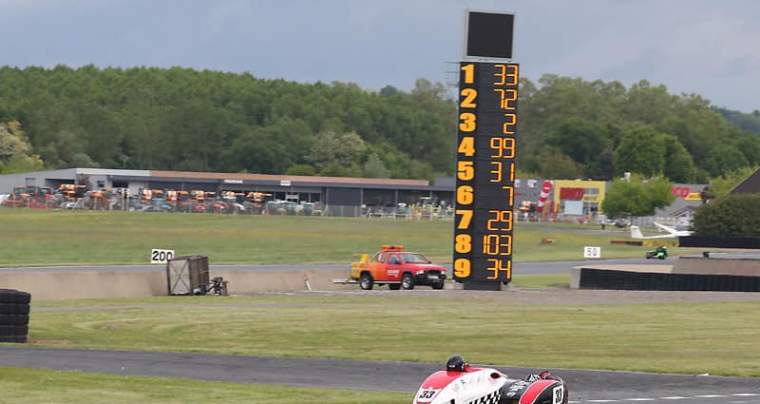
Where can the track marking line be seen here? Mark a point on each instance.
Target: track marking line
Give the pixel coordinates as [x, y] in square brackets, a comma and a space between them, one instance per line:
[669, 398]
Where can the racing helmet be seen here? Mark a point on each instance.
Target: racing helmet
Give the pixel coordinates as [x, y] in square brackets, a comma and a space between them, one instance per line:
[455, 364]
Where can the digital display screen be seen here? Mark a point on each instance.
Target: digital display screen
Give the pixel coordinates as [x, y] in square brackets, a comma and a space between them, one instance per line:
[485, 171]
[490, 35]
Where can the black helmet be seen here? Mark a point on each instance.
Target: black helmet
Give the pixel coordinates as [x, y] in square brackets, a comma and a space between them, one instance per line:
[455, 364]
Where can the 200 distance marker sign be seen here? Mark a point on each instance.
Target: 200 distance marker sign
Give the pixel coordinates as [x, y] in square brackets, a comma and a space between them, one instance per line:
[485, 171]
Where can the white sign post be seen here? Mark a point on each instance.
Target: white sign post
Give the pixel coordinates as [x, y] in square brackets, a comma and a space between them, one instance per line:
[592, 252]
[158, 256]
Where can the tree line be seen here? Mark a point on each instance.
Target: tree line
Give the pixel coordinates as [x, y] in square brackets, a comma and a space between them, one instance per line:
[594, 129]
[185, 119]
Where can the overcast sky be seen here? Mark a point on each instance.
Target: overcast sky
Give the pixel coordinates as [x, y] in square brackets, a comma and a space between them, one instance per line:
[709, 47]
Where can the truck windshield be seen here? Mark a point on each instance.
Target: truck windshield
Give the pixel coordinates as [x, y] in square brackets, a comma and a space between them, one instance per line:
[415, 258]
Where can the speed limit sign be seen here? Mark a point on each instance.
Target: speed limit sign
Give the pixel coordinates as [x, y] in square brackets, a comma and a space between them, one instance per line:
[158, 256]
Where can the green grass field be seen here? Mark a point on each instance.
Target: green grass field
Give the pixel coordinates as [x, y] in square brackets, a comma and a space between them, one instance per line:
[60, 238]
[541, 281]
[48, 386]
[691, 338]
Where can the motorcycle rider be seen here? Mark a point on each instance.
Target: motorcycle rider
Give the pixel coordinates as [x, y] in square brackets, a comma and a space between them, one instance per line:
[457, 364]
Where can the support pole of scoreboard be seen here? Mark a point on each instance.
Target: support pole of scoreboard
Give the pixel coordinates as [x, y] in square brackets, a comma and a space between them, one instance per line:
[486, 151]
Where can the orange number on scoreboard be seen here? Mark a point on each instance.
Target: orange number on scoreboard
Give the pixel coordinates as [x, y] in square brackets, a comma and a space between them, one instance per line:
[510, 167]
[467, 146]
[497, 267]
[502, 220]
[469, 73]
[497, 171]
[464, 223]
[467, 122]
[497, 244]
[508, 128]
[462, 268]
[507, 75]
[503, 147]
[510, 195]
[465, 170]
[507, 98]
[469, 94]
[463, 243]
[465, 195]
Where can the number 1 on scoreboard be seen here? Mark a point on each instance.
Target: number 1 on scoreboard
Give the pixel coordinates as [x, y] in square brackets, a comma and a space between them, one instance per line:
[469, 73]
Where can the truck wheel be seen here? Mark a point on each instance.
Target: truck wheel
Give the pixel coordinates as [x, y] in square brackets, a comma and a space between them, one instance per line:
[438, 285]
[407, 282]
[394, 286]
[366, 282]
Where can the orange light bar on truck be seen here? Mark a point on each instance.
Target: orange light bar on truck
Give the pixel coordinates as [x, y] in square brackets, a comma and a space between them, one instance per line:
[387, 248]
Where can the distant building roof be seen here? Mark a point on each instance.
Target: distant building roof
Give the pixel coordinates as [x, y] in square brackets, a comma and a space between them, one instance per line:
[751, 185]
[194, 176]
[301, 179]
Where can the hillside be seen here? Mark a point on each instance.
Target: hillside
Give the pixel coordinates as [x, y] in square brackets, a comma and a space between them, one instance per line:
[576, 128]
[203, 120]
[748, 122]
[186, 119]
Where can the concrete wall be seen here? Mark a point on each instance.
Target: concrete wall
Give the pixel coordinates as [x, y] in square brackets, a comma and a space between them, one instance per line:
[54, 285]
[717, 266]
[87, 284]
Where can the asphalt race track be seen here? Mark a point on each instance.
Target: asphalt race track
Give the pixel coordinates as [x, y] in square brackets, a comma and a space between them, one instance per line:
[585, 386]
[547, 267]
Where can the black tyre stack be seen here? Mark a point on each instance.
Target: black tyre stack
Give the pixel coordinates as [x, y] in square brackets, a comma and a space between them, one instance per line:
[14, 315]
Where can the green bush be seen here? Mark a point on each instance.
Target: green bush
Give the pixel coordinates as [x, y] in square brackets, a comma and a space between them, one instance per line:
[637, 197]
[729, 216]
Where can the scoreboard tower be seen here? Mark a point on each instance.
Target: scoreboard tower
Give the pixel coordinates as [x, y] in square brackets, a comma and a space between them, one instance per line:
[486, 151]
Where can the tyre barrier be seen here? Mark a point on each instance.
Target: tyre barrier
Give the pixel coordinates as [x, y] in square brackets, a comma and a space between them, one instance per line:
[14, 315]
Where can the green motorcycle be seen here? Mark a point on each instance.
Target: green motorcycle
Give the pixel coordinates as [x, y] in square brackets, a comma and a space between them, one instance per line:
[659, 253]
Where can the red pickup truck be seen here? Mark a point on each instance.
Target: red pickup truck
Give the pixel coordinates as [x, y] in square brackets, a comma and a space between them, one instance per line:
[398, 269]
